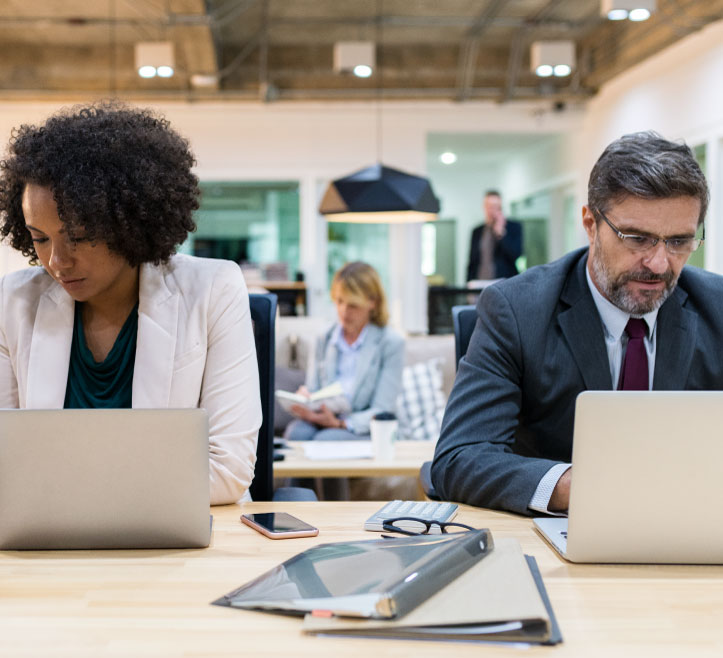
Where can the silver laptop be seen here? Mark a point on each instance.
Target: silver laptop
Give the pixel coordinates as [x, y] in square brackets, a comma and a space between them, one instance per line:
[104, 478]
[647, 484]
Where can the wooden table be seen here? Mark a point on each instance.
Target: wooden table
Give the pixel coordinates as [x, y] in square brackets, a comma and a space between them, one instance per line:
[409, 456]
[156, 602]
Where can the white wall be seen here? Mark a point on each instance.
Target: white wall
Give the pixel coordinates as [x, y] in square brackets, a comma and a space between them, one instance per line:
[678, 92]
[548, 166]
[312, 143]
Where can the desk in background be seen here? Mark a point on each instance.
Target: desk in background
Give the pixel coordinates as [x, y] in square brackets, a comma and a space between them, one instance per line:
[440, 300]
[291, 295]
[156, 602]
[408, 458]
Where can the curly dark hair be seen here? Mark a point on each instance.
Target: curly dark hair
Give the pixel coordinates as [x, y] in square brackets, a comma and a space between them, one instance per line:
[119, 175]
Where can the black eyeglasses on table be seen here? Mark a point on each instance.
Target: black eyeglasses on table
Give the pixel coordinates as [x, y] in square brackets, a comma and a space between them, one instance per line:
[414, 526]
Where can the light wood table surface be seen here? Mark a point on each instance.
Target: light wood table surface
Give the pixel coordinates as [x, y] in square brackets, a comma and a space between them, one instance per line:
[408, 458]
[156, 602]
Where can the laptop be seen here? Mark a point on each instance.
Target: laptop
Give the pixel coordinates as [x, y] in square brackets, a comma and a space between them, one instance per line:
[647, 483]
[104, 478]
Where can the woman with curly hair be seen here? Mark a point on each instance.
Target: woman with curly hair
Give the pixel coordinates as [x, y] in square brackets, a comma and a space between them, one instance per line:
[100, 197]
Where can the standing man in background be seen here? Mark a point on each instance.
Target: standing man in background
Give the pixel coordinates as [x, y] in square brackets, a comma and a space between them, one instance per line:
[496, 244]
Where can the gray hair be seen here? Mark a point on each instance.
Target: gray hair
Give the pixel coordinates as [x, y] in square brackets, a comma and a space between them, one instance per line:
[647, 166]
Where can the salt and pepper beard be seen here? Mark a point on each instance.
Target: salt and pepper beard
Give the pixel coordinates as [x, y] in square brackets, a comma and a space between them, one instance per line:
[616, 291]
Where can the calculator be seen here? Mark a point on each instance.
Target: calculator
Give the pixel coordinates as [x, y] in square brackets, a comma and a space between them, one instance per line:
[420, 509]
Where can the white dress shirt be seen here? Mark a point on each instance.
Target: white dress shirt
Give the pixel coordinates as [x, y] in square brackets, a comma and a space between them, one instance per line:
[614, 321]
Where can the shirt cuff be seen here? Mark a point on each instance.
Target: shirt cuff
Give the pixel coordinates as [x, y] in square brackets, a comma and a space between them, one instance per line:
[543, 493]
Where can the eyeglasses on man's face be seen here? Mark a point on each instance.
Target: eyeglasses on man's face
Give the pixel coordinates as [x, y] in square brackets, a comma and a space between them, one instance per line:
[412, 526]
[635, 242]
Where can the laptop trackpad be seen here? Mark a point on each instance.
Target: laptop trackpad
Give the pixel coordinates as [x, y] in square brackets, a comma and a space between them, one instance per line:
[554, 529]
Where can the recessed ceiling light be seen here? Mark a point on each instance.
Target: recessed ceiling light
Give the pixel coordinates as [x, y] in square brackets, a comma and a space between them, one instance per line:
[164, 72]
[544, 70]
[561, 70]
[639, 15]
[362, 71]
[635, 10]
[617, 14]
[448, 158]
[147, 71]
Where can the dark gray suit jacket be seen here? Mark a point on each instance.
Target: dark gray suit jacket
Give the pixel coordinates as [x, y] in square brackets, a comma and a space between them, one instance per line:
[539, 342]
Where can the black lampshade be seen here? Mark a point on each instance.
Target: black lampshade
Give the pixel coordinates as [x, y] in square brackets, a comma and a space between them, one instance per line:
[379, 194]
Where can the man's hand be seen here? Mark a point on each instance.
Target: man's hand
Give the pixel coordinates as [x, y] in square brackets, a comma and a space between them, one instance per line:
[560, 499]
[322, 418]
[499, 225]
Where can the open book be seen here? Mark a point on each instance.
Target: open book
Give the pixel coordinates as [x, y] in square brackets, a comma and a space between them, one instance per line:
[332, 396]
[500, 598]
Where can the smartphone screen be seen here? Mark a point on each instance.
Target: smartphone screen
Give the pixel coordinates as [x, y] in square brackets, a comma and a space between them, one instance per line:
[279, 525]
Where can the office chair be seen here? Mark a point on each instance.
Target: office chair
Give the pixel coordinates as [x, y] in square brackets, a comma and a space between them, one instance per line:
[263, 317]
[464, 319]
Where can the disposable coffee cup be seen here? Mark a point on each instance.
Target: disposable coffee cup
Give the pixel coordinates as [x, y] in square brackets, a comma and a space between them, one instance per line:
[383, 428]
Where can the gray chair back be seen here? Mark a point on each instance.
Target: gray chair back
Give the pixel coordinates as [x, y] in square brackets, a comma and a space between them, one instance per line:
[464, 319]
[263, 317]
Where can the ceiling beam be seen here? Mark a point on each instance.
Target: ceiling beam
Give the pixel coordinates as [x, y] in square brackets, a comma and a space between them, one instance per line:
[470, 48]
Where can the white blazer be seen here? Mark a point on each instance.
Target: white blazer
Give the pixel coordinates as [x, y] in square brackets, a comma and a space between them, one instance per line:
[195, 348]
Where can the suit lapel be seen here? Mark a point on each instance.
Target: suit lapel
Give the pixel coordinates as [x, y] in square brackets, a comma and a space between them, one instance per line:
[583, 331]
[331, 356]
[365, 357]
[50, 350]
[675, 342]
[157, 330]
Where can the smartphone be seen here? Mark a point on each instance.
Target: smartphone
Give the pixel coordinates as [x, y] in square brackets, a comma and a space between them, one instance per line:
[279, 525]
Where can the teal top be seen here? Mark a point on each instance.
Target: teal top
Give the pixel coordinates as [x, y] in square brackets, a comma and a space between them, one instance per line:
[108, 383]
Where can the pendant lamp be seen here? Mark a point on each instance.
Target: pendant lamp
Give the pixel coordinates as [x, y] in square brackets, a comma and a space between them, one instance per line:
[379, 194]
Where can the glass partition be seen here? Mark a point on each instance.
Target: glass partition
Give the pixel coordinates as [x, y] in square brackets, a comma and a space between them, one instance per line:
[365, 242]
[255, 224]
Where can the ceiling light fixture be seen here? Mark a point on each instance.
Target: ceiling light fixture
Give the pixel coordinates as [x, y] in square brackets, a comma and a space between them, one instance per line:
[448, 158]
[544, 70]
[376, 194]
[634, 10]
[154, 58]
[362, 71]
[552, 58]
[356, 57]
[379, 195]
[638, 15]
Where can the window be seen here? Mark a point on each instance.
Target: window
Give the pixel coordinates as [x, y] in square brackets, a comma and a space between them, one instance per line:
[256, 224]
[365, 242]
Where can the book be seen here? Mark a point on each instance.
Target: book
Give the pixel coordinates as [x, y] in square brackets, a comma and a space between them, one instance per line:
[374, 579]
[499, 599]
[332, 396]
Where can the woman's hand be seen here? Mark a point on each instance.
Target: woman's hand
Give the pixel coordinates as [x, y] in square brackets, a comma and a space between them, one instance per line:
[322, 418]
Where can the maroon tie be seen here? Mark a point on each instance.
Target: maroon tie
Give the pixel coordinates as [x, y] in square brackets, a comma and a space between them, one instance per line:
[634, 373]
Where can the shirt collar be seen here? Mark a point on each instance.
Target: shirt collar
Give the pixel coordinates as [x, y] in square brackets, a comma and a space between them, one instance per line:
[339, 341]
[613, 318]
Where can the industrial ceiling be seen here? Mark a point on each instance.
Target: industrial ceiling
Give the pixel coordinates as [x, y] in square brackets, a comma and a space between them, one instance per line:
[282, 50]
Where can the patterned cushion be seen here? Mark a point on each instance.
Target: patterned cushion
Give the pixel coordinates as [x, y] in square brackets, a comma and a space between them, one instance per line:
[420, 405]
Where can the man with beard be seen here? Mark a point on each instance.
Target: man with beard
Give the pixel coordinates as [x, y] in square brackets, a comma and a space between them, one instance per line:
[622, 313]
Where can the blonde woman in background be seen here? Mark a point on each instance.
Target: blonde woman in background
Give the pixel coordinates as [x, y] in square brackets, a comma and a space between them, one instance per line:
[360, 352]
